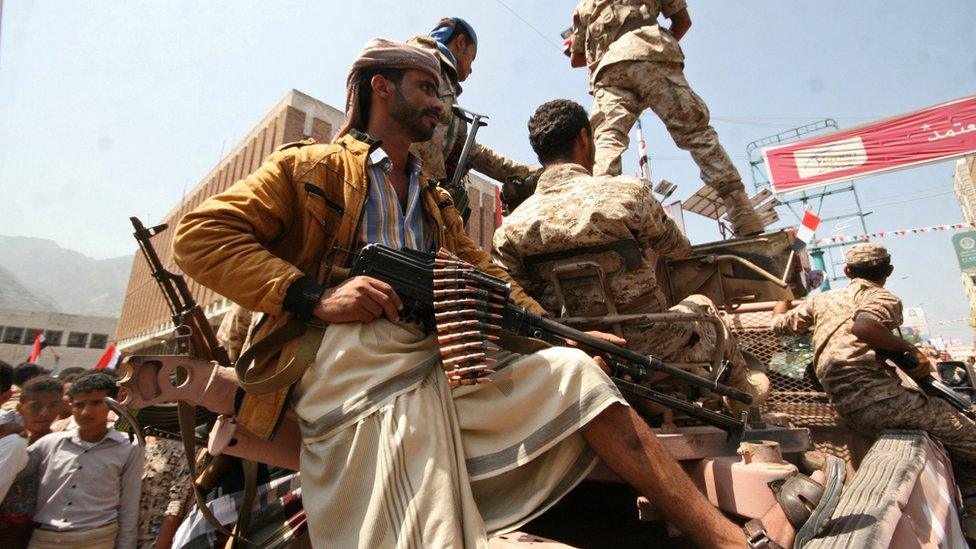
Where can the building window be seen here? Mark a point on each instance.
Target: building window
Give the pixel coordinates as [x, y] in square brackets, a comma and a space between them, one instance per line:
[77, 339]
[29, 335]
[53, 338]
[13, 335]
[98, 341]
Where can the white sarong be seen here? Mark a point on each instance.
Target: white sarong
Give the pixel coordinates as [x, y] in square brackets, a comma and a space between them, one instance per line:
[393, 457]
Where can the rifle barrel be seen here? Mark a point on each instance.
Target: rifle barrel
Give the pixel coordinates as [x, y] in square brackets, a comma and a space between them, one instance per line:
[650, 362]
[731, 425]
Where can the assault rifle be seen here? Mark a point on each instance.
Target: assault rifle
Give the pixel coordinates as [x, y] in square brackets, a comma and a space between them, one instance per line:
[410, 273]
[931, 386]
[194, 337]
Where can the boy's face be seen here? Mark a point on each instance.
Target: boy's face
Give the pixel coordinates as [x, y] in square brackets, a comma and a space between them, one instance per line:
[90, 410]
[39, 410]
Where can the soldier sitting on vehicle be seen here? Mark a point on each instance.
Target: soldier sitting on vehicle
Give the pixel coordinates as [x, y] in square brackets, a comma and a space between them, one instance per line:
[375, 408]
[573, 213]
[849, 326]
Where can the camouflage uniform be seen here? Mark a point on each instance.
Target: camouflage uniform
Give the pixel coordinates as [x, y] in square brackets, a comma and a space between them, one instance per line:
[571, 209]
[865, 391]
[166, 487]
[636, 64]
[442, 152]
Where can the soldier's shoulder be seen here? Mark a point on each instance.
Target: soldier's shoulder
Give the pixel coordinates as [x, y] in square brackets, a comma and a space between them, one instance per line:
[870, 290]
[622, 179]
[624, 185]
[882, 294]
[831, 299]
[585, 7]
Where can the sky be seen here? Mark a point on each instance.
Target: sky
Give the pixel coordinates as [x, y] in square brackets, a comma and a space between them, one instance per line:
[111, 109]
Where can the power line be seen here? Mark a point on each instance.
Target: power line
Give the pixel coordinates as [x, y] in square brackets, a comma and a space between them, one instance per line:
[792, 118]
[891, 202]
[537, 31]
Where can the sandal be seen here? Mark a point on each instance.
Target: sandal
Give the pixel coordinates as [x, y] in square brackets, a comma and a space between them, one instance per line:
[806, 503]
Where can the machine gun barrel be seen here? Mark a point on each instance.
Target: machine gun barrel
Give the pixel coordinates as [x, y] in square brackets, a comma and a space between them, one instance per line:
[525, 323]
[410, 273]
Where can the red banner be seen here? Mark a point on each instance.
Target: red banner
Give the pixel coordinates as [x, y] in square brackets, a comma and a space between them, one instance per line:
[928, 135]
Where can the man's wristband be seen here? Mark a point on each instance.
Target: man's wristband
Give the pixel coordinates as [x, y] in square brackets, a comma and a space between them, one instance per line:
[302, 297]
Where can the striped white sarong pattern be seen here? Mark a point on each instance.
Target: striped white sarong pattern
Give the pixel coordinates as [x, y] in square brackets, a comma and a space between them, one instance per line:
[398, 459]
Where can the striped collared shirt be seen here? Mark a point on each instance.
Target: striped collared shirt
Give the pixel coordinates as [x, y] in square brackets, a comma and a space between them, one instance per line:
[384, 220]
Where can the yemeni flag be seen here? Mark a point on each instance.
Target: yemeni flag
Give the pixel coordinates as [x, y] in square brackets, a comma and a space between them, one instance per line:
[39, 345]
[804, 233]
[110, 359]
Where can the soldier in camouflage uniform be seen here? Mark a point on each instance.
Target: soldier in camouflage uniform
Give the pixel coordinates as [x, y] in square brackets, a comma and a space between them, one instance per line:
[455, 43]
[166, 487]
[848, 325]
[637, 64]
[571, 210]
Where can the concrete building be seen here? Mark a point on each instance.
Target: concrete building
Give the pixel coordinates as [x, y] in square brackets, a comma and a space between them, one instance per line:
[964, 183]
[78, 340]
[145, 325]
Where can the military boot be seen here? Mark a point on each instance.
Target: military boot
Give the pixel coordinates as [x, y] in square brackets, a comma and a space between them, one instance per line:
[742, 214]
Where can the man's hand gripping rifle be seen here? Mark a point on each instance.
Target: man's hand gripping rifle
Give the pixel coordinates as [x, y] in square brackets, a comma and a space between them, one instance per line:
[931, 386]
[469, 308]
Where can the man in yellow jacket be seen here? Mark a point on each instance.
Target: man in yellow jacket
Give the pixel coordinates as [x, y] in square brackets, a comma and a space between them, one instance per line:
[391, 454]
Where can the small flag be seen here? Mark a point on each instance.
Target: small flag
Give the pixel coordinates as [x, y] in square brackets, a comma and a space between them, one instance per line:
[37, 348]
[109, 359]
[804, 233]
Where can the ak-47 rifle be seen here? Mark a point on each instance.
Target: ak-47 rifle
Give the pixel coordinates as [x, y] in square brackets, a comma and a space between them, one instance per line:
[469, 308]
[931, 386]
[194, 337]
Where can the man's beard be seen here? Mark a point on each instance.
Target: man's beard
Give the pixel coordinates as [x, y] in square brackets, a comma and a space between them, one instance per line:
[411, 119]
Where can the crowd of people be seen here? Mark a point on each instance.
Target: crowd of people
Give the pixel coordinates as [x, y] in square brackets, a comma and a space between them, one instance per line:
[68, 478]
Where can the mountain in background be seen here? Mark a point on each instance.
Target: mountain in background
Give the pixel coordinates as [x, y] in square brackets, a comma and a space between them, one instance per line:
[37, 274]
[14, 295]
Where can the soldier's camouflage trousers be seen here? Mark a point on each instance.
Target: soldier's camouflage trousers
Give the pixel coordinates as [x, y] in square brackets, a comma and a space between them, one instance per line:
[625, 89]
[914, 410]
[685, 342]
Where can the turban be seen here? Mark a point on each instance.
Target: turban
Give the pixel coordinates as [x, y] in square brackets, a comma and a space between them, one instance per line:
[380, 53]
